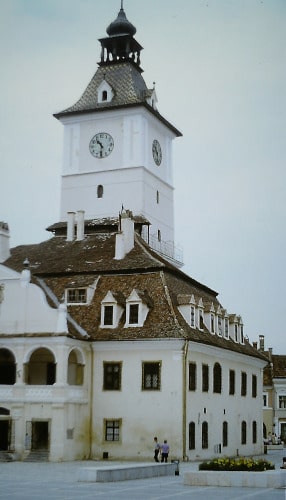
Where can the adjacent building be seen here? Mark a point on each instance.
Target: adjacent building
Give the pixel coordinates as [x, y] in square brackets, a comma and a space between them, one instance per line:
[104, 341]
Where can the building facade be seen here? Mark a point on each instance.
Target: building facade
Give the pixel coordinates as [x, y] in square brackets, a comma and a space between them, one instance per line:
[104, 341]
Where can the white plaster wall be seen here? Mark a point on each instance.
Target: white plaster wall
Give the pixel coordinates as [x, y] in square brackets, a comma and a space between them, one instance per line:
[144, 414]
[217, 408]
[25, 309]
[129, 174]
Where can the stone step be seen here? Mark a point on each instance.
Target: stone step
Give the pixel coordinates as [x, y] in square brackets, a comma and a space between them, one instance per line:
[37, 456]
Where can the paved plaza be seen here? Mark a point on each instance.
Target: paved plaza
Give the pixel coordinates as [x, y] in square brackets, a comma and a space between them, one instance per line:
[58, 481]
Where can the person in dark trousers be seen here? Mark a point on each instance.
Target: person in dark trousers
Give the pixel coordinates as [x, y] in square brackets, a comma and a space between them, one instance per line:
[165, 448]
[157, 449]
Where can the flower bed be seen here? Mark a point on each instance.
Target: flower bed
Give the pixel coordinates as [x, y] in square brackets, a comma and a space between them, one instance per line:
[237, 464]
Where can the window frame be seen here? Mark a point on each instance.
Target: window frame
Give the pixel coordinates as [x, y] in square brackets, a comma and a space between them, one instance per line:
[192, 376]
[243, 390]
[254, 386]
[205, 435]
[192, 436]
[231, 382]
[116, 379]
[156, 371]
[217, 378]
[205, 378]
[112, 427]
[77, 292]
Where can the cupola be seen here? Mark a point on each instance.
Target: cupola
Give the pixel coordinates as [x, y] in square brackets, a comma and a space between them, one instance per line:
[120, 44]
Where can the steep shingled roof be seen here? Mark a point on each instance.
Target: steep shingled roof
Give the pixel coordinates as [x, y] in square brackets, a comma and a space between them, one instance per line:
[57, 264]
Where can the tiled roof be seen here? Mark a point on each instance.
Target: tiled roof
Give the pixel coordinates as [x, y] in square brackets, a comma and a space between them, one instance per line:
[126, 81]
[129, 89]
[59, 264]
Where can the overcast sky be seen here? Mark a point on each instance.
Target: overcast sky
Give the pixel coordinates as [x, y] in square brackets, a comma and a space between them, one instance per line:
[220, 73]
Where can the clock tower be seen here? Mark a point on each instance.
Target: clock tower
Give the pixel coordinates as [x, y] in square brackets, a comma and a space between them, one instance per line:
[117, 146]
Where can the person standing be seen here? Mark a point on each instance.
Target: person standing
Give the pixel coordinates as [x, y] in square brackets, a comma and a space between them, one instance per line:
[157, 448]
[165, 448]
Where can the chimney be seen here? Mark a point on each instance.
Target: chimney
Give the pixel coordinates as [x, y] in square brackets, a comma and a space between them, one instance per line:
[80, 225]
[70, 226]
[25, 274]
[255, 345]
[4, 241]
[125, 238]
[261, 342]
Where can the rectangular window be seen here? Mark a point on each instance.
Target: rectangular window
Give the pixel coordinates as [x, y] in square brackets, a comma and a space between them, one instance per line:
[282, 402]
[265, 400]
[112, 428]
[76, 296]
[133, 314]
[219, 325]
[192, 436]
[212, 323]
[243, 384]
[112, 376]
[226, 328]
[205, 378]
[108, 315]
[254, 386]
[225, 434]
[254, 432]
[192, 316]
[231, 382]
[235, 333]
[151, 376]
[205, 435]
[192, 376]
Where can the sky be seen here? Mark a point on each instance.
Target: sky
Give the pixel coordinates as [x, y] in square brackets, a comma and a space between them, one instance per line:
[220, 73]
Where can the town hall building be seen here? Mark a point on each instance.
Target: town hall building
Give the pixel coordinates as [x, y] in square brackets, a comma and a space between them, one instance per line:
[104, 341]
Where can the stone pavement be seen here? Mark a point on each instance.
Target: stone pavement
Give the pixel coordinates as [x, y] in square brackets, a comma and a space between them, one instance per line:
[58, 481]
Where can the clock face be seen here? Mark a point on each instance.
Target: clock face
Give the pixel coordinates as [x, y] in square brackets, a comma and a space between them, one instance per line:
[101, 145]
[157, 152]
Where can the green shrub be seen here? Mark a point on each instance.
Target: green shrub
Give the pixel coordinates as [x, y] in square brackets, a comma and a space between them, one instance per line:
[237, 464]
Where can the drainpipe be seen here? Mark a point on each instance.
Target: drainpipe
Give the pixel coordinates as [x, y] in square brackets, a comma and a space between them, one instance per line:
[91, 402]
[184, 401]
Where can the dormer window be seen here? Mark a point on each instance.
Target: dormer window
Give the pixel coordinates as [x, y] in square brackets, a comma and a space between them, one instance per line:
[226, 328]
[192, 321]
[219, 325]
[133, 314]
[137, 308]
[236, 332]
[212, 323]
[108, 315]
[104, 92]
[76, 296]
[111, 310]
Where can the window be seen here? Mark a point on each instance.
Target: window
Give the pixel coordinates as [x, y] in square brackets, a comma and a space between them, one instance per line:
[226, 330]
[104, 95]
[225, 434]
[159, 235]
[205, 435]
[217, 378]
[205, 378]
[192, 376]
[254, 432]
[235, 333]
[201, 319]
[219, 325]
[243, 383]
[99, 191]
[108, 315]
[243, 432]
[192, 316]
[133, 314]
[158, 197]
[265, 399]
[231, 382]
[254, 386]
[112, 428]
[151, 376]
[112, 376]
[76, 296]
[212, 323]
[282, 402]
[192, 435]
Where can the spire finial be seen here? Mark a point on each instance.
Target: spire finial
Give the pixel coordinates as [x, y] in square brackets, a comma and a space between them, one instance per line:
[121, 4]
